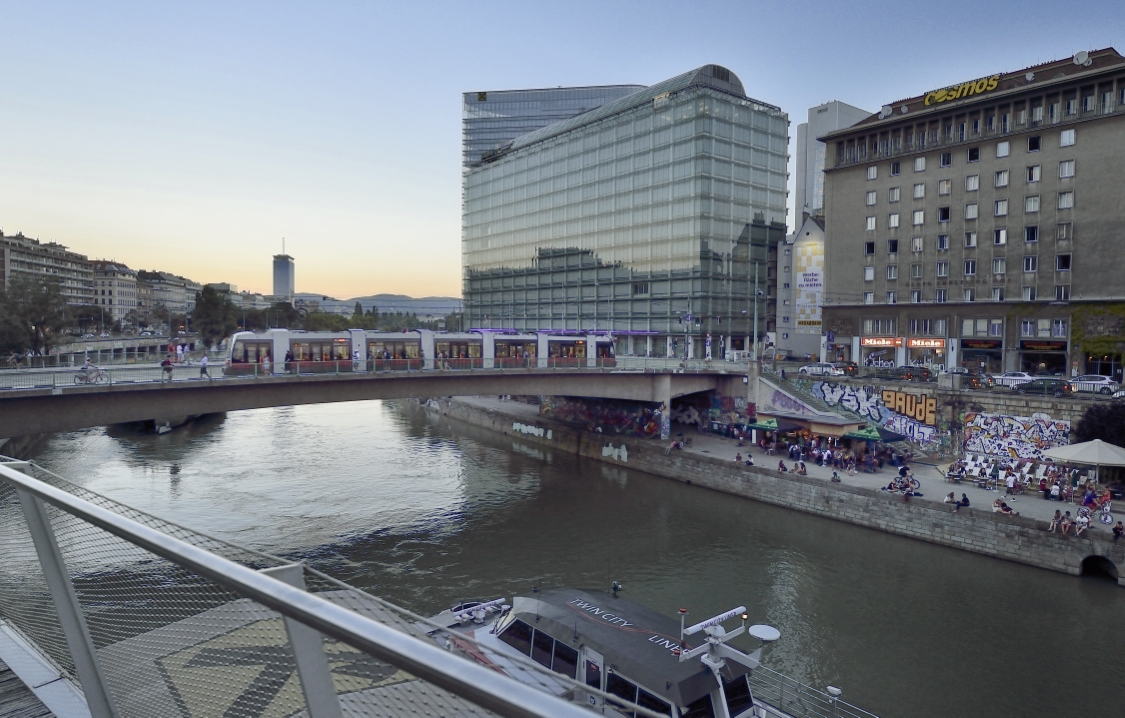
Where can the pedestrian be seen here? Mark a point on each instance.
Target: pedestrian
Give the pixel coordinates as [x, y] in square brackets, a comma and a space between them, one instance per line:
[1055, 521]
[179, 353]
[203, 367]
[167, 369]
[1056, 492]
[738, 459]
[1118, 531]
[963, 502]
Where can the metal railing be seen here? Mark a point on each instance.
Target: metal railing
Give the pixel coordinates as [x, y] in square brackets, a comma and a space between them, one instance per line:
[799, 700]
[141, 612]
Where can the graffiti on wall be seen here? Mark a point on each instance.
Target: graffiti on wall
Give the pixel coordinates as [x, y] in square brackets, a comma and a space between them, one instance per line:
[912, 415]
[1014, 437]
[784, 402]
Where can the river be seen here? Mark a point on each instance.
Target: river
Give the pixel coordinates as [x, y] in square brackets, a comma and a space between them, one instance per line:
[424, 511]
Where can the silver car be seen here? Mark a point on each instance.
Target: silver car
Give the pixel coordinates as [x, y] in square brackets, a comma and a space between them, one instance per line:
[1012, 378]
[1096, 383]
[821, 369]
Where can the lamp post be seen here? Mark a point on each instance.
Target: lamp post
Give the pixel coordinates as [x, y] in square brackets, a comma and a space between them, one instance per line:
[754, 351]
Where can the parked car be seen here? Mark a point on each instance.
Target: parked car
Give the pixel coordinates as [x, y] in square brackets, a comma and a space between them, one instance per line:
[820, 369]
[1046, 386]
[850, 368]
[146, 334]
[971, 380]
[1096, 383]
[1012, 378]
[912, 373]
[957, 370]
[106, 335]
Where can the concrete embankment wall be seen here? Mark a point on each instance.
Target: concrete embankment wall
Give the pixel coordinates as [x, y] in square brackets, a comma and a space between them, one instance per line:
[1014, 538]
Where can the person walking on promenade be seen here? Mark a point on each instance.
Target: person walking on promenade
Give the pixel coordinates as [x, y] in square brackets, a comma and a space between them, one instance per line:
[167, 368]
[203, 367]
[1118, 531]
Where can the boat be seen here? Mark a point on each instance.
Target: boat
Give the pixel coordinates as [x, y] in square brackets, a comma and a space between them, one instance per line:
[614, 655]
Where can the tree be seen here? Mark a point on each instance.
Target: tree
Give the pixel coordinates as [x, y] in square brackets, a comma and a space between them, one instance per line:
[215, 317]
[34, 313]
[1101, 421]
[358, 310]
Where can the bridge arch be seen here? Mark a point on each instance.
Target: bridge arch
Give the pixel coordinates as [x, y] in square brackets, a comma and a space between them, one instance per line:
[1099, 566]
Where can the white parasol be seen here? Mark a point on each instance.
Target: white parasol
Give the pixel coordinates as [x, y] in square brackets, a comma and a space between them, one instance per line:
[1090, 453]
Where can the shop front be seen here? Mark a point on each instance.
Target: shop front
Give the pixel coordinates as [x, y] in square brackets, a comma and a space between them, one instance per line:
[985, 355]
[1043, 356]
[881, 352]
[927, 351]
[1104, 364]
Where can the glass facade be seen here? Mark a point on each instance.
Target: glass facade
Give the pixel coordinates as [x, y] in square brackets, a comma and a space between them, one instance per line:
[492, 119]
[647, 215]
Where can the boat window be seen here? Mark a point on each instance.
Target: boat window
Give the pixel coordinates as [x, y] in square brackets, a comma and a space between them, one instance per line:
[518, 636]
[737, 693]
[566, 660]
[701, 708]
[541, 649]
[593, 675]
[618, 686]
[648, 700]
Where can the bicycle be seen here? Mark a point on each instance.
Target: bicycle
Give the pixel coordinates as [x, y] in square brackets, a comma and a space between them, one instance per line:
[15, 363]
[93, 376]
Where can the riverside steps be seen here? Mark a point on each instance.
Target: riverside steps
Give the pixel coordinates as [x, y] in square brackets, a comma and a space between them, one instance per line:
[709, 463]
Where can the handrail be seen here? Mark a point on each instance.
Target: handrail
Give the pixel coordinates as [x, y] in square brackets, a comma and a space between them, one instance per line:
[475, 683]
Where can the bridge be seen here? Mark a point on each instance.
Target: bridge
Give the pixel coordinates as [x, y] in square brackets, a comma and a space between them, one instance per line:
[44, 402]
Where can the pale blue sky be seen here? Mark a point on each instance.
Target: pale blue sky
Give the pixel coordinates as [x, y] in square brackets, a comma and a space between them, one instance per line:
[191, 137]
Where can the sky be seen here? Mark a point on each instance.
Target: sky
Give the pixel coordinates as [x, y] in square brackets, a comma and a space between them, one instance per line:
[193, 137]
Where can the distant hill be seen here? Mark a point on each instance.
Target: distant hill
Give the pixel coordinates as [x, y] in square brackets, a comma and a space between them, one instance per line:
[385, 303]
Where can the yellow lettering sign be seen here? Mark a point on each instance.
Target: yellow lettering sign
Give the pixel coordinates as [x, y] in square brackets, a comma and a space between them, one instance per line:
[965, 89]
[920, 408]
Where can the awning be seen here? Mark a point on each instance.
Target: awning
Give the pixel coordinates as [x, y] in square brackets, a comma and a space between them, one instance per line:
[875, 433]
[774, 425]
[1092, 453]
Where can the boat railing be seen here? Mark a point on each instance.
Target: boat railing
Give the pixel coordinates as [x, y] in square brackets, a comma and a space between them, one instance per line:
[112, 612]
[790, 698]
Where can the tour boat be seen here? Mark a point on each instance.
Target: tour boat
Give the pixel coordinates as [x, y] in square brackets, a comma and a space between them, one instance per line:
[592, 646]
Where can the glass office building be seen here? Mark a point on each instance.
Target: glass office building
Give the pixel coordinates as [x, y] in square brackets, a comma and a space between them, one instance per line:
[491, 120]
[646, 217]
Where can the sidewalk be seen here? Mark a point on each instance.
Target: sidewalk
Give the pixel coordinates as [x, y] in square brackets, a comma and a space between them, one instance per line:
[934, 485]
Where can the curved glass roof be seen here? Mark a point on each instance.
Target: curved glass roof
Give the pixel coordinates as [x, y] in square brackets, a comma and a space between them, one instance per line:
[714, 76]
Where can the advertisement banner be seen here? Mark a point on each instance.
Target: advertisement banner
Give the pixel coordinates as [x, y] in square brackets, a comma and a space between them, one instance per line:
[808, 276]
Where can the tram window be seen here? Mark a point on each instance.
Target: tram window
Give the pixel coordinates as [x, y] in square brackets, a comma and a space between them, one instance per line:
[648, 700]
[618, 686]
[737, 693]
[518, 636]
[593, 675]
[701, 708]
[541, 648]
[566, 660]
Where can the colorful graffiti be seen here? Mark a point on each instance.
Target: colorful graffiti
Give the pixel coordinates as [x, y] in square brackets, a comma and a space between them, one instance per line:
[608, 416]
[1015, 437]
[915, 417]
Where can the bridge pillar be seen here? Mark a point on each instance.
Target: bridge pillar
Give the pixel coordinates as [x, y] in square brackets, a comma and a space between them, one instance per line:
[753, 373]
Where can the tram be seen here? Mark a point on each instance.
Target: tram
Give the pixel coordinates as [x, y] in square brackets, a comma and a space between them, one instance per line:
[292, 351]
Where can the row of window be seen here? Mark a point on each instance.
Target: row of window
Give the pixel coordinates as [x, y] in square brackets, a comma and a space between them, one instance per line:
[1033, 173]
[999, 266]
[969, 327]
[968, 294]
[1067, 138]
[1031, 203]
[1063, 231]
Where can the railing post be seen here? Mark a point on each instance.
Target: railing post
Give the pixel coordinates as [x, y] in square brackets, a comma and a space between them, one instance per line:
[71, 619]
[308, 651]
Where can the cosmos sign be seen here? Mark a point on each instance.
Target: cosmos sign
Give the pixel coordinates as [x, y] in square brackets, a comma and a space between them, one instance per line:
[965, 89]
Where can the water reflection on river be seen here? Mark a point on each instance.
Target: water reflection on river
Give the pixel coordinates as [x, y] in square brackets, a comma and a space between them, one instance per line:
[425, 511]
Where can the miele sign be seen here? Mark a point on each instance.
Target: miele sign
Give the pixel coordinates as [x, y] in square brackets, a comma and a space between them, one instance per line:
[881, 341]
[925, 343]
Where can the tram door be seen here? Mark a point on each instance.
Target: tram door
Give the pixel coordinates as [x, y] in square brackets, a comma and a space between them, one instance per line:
[593, 667]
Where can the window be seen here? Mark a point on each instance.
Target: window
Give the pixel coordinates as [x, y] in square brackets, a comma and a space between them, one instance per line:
[997, 294]
[1027, 328]
[973, 154]
[999, 236]
[1002, 148]
[1066, 138]
[1031, 263]
[920, 191]
[869, 274]
[967, 295]
[1034, 173]
[1037, 114]
[1043, 327]
[915, 296]
[1066, 169]
[869, 248]
[892, 220]
[892, 271]
[943, 214]
[879, 326]
[1058, 326]
[1033, 144]
[943, 269]
[1031, 204]
[972, 183]
[917, 244]
[970, 267]
[1062, 294]
[1062, 262]
[920, 327]
[892, 246]
[919, 164]
[945, 159]
[1088, 103]
[894, 169]
[919, 217]
[1000, 207]
[970, 239]
[891, 298]
[915, 271]
[999, 265]
[893, 194]
[1002, 178]
[1029, 294]
[640, 288]
[1071, 107]
[1031, 234]
[869, 297]
[871, 198]
[870, 224]
[943, 187]
[1053, 112]
[518, 636]
[618, 686]
[939, 296]
[1066, 200]
[872, 172]
[942, 242]
[971, 210]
